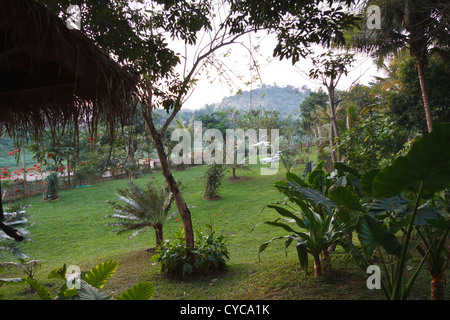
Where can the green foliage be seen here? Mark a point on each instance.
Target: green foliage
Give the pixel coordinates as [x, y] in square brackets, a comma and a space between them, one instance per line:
[375, 142]
[420, 174]
[98, 275]
[406, 104]
[425, 167]
[210, 253]
[213, 177]
[298, 25]
[52, 186]
[140, 291]
[311, 212]
[90, 285]
[313, 101]
[289, 159]
[142, 208]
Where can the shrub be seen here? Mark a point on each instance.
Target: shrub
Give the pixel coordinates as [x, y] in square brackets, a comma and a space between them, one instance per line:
[210, 253]
[90, 285]
[52, 183]
[213, 175]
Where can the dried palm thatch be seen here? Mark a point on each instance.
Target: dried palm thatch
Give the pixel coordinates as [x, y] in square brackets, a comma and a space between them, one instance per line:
[50, 72]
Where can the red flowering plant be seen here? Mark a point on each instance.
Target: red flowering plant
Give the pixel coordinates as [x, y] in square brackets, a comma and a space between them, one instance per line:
[5, 178]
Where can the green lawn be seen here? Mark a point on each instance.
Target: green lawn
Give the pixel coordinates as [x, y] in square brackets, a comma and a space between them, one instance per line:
[73, 230]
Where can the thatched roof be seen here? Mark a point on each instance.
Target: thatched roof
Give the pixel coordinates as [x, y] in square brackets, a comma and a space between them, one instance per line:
[48, 71]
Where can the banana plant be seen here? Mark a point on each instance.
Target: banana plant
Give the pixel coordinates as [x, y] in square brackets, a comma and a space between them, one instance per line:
[310, 211]
[313, 236]
[90, 285]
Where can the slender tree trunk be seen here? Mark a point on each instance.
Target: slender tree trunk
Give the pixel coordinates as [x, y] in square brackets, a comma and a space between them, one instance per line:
[333, 130]
[317, 267]
[420, 63]
[130, 159]
[331, 138]
[68, 172]
[159, 234]
[326, 261]
[24, 169]
[307, 140]
[171, 182]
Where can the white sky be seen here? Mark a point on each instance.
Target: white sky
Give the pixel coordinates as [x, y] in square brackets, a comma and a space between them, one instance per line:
[282, 73]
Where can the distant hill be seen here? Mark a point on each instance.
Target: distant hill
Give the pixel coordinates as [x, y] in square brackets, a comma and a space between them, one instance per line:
[286, 100]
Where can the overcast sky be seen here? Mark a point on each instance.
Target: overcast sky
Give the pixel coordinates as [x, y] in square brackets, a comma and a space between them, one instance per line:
[270, 71]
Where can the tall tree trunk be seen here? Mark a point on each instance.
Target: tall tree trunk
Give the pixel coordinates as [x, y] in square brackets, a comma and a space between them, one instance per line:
[331, 138]
[130, 160]
[333, 123]
[421, 63]
[307, 139]
[172, 184]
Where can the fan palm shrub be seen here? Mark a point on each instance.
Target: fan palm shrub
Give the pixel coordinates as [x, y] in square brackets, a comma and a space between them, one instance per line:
[140, 208]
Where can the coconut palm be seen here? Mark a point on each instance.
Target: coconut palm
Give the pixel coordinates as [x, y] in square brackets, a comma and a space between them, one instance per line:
[142, 208]
[420, 26]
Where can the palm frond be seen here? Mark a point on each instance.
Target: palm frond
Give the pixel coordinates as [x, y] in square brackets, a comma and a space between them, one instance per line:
[139, 208]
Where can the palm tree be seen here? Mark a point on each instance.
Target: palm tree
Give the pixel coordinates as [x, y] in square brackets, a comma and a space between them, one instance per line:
[421, 26]
[142, 208]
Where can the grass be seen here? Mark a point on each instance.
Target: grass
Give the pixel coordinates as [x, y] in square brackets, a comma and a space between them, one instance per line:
[73, 230]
